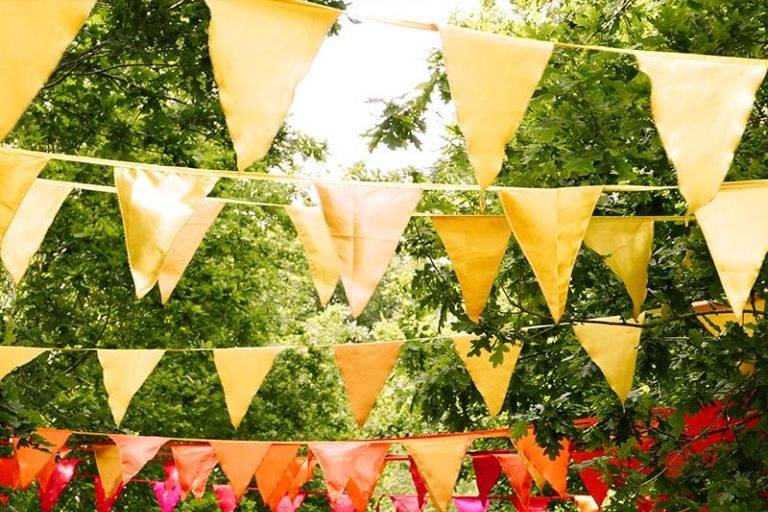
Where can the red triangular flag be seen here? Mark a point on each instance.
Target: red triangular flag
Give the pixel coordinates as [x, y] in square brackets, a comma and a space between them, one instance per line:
[9, 472]
[418, 483]
[592, 478]
[337, 461]
[55, 483]
[538, 504]
[365, 475]
[516, 470]
[225, 497]
[104, 504]
[135, 452]
[194, 464]
[407, 503]
[487, 473]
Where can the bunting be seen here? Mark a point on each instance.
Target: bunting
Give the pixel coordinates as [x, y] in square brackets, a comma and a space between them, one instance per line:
[290, 505]
[17, 174]
[32, 461]
[124, 373]
[591, 477]
[365, 475]
[418, 482]
[718, 316]
[225, 498]
[470, 504]
[9, 472]
[554, 471]
[104, 502]
[406, 503]
[56, 482]
[318, 248]
[168, 492]
[14, 357]
[273, 467]
[135, 452]
[110, 468]
[337, 460]
[194, 465]
[487, 472]
[239, 460]
[516, 470]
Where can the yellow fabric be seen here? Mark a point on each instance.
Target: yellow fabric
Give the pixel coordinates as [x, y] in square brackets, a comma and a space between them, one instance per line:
[124, 373]
[476, 245]
[33, 36]
[735, 225]
[17, 174]
[613, 348]
[626, 244]
[365, 223]
[719, 315]
[318, 249]
[549, 225]
[492, 79]
[241, 371]
[13, 357]
[260, 51]
[491, 381]
[155, 207]
[364, 369]
[701, 105]
[26, 231]
[109, 466]
[185, 245]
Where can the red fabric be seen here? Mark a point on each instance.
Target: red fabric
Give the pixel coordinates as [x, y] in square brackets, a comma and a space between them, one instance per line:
[9, 472]
[538, 504]
[592, 478]
[418, 483]
[487, 473]
[104, 504]
[516, 470]
[225, 497]
[55, 483]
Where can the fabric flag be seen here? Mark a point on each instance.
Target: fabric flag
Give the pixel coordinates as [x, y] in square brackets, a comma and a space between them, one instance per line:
[491, 381]
[487, 472]
[291, 480]
[735, 226]
[318, 248]
[304, 473]
[516, 470]
[168, 492]
[626, 243]
[476, 245]
[135, 452]
[239, 460]
[701, 105]
[364, 369]
[31, 461]
[105, 501]
[287, 504]
[718, 316]
[58, 480]
[492, 79]
[365, 222]
[554, 471]
[155, 207]
[539, 504]
[260, 51]
[110, 468]
[418, 482]
[17, 172]
[470, 504]
[9, 472]
[29, 225]
[365, 475]
[225, 497]
[591, 477]
[406, 503]
[439, 461]
[273, 467]
[33, 36]
[613, 348]
[194, 464]
[549, 225]
[586, 503]
[337, 460]
[242, 371]
[124, 373]
[14, 357]
[343, 504]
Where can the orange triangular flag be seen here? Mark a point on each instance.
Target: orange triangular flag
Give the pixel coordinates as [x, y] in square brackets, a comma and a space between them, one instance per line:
[32, 460]
[239, 460]
[272, 468]
[337, 461]
[318, 249]
[365, 222]
[109, 467]
[476, 245]
[17, 174]
[135, 452]
[124, 373]
[718, 315]
[364, 369]
[365, 475]
[555, 471]
[304, 473]
[516, 470]
[439, 461]
[194, 464]
[13, 357]
[285, 485]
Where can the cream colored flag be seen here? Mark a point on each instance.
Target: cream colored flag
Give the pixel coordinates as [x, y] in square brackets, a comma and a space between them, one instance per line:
[491, 381]
[735, 226]
[17, 174]
[476, 245]
[701, 105]
[318, 249]
[549, 225]
[241, 371]
[33, 36]
[613, 348]
[626, 244]
[124, 373]
[33, 217]
[13, 357]
[110, 467]
[155, 207]
[492, 79]
[365, 222]
[260, 51]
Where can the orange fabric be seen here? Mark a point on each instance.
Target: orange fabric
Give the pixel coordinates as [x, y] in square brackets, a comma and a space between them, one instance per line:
[516, 470]
[109, 467]
[337, 461]
[285, 484]
[554, 471]
[272, 468]
[239, 460]
[365, 475]
[32, 460]
[135, 452]
[194, 465]
[303, 474]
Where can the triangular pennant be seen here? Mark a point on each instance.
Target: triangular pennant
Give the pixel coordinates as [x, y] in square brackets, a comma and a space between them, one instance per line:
[14, 357]
[439, 461]
[17, 174]
[492, 79]
[287, 504]
[194, 464]
[549, 225]
[735, 226]
[406, 503]
[491, 381]
[58, 480]
[34, 36]
[539, 504]
[135, 452]
[337, 461]
[104, 500]
[470, 504]
[365, 223]
[365, 475]
[586, 503]
[256, 87]
[718, 316]
[626, 244]
[155, 206]
[418, 482]
[225, 498]
[28, 227]
[555, 471]
[364, 368]
[613, 348]
[9, 472]
[124, 373]
[110, 469]
[273, 467]
[239, 460]
[32, 460]
[590, 477]
[343, 504]
[701, 105]
[241, 371]
[487, 472]
[304, 473]
[285, 486]
[185, 246]
[168, 492]
[516, 470]
[318, 249]
[476, 245]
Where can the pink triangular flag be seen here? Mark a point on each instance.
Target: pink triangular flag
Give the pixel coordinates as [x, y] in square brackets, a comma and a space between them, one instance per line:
[337, 460]
[288, 505]
[343, 504]
[407, 503]
[57, 481]
[135, 452]
[470, 504]
[168, 492]
[225, 497]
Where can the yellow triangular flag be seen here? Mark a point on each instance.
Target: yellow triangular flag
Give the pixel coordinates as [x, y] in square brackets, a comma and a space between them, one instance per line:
[719, 315]
[241, 371]
[613, 348]
[439, 461]
[33, 36]
[364, 370]
[13, 357]
[124, 373]
[626, 244]
[549, 225]
[260, 51]
[476, 245]
[155, 207]
[318, 249]
[735, 225]
[110, 467]
[365, 222]
[491, 381]
[492, 79]
[33, 217]
[17, 174]
[701, 105]
[185, 245]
